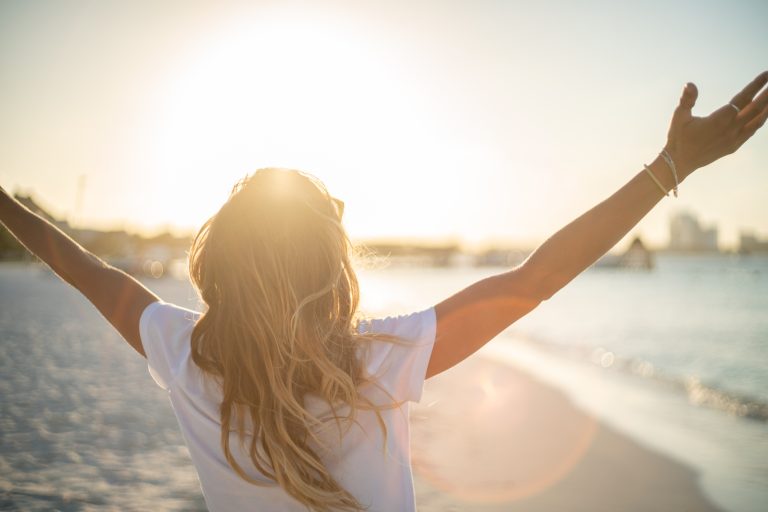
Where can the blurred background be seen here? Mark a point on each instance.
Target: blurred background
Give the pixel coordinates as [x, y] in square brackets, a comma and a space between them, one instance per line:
[477, 120]
[459, 135]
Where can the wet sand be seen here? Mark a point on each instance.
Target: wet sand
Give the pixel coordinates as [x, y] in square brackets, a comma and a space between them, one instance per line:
[487, 437]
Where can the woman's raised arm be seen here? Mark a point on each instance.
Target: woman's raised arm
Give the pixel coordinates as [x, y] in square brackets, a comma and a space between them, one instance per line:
[118, 296]
[472, 317]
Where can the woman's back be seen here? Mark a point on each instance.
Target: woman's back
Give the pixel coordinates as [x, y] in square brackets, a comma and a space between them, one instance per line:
[369, 461]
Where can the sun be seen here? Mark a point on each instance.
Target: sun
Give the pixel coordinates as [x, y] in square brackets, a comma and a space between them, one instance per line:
[324, 95]
[280, 90]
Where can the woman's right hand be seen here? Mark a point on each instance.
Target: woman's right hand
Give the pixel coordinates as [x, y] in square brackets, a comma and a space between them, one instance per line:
[694, 142]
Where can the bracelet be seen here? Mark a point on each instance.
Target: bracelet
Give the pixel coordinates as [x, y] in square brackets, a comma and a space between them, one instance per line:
[655, 180]
[671, 165]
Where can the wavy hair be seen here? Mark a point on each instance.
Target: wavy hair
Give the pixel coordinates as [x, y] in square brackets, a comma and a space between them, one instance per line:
[273, 267]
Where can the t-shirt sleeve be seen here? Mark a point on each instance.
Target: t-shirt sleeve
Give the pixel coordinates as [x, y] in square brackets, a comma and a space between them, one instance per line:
[400, 365]
[165, 334]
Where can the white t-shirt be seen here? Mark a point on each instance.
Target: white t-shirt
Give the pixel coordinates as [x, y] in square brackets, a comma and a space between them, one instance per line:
[378, 476]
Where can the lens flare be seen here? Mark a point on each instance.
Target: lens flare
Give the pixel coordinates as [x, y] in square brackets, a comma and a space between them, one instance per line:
[456, 444]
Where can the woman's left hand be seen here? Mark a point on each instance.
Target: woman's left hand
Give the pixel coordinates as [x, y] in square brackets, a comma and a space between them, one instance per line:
[694, 142]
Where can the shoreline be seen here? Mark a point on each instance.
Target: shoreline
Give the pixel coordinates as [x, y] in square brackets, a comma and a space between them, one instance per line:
[489, 437]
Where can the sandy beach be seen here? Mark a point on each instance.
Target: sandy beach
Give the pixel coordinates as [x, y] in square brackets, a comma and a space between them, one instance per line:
[488, 437]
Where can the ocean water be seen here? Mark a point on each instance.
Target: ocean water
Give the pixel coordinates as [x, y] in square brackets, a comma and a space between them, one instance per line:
[677, 358]
[698, 320]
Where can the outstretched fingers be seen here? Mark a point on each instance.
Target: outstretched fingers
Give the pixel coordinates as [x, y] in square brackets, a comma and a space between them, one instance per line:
[754, 108]
[752, 119]
[744, 97]
[755, 123]
[742, 108]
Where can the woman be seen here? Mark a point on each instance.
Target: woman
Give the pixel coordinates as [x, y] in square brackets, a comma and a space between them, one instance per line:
[286, 400]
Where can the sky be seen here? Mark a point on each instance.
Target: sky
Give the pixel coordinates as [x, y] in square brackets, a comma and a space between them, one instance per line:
[476, 121]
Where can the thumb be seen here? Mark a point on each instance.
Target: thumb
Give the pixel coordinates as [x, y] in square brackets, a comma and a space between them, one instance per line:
[687, 101]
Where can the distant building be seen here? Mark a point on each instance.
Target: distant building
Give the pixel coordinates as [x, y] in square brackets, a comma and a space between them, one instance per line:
[749, 243]
[686, 234]
[636, 257]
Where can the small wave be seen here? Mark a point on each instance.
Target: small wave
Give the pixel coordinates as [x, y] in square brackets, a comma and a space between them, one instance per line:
[700, 394]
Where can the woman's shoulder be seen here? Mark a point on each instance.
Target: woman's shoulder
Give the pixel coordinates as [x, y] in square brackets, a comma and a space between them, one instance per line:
[165, 333]
[418, 325]
[398, 360]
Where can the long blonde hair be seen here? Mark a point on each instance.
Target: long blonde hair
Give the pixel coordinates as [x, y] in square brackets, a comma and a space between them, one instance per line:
[273, 267]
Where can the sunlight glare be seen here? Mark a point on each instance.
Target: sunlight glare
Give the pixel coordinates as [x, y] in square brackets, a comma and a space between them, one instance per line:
[264, 93]
[343, 104]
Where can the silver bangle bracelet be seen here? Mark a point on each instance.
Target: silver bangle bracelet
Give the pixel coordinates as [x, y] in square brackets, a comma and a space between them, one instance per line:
[656, 180]
[671, 164]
